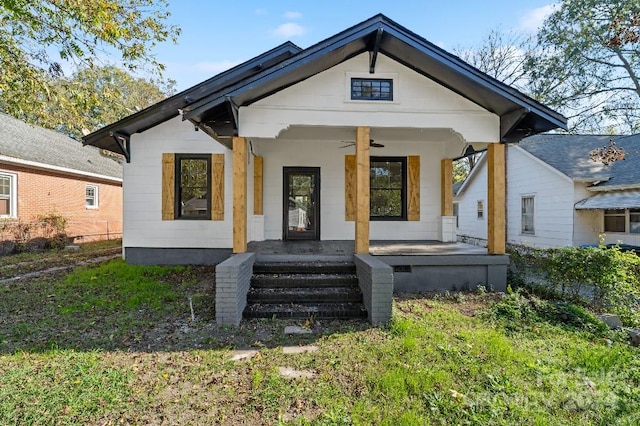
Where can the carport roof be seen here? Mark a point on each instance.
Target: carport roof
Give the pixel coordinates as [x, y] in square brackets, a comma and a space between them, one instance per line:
[213, 105]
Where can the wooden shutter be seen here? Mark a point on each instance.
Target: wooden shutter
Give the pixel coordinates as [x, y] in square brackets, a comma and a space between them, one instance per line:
[257, 185]
[168, 186]
[350, 187]
[413, 188]
[217, 187]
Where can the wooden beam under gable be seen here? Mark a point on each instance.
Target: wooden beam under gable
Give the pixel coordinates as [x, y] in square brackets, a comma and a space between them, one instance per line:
[239, 195]
[362, 190]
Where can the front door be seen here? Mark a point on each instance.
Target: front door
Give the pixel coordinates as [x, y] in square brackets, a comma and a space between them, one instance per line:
[301, 207]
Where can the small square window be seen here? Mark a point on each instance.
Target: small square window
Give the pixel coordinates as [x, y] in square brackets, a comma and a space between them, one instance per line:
[91, 197]
[372, 89]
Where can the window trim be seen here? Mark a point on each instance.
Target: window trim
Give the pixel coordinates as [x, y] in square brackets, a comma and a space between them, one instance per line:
[13, 195]
[533, 215]
[96, 199]
[177, 188]
[480, 210]
[624, 213]
[403, 191]
[395, 87]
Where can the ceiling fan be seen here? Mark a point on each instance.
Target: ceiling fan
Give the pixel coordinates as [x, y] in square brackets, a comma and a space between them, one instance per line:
[372, 144]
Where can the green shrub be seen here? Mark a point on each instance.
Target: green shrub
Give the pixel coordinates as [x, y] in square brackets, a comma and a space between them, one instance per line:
[607, 279]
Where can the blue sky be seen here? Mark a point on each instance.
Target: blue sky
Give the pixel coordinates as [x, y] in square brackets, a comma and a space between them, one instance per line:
[217, 35]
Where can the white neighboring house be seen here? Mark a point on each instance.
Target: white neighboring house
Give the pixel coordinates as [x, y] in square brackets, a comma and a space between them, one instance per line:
[556, 195]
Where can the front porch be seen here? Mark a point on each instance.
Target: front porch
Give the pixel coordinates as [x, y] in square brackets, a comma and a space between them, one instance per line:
[418, 266]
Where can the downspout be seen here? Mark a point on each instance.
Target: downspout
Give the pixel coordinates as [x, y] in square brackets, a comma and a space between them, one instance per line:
[506, 193]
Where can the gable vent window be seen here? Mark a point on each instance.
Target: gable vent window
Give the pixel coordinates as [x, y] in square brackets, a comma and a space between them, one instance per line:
[372, 89]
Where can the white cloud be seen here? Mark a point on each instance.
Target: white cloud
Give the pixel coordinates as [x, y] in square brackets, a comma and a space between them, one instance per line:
[292, 15]
[533, 19]
[290, 29]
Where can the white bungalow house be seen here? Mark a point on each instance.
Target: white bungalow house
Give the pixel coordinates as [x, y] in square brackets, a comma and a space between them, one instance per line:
[557, 196]
[350, 140]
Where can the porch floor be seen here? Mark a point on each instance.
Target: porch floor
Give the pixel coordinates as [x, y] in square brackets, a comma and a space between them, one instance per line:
[376, 248]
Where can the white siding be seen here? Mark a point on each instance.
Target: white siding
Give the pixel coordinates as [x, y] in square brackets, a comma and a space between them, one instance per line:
[587, 224]
[330, 158]
[324, 100]
[469, 226]
[554, 200]
[142, 191]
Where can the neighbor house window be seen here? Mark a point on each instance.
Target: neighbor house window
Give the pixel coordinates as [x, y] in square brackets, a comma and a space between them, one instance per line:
[7, 195]
[480, 208]
[614, 221]
[634, 221]
[455, 213]
[372, 89]
[527, 215]
[193, 187]
[91, 196]
[388, 184]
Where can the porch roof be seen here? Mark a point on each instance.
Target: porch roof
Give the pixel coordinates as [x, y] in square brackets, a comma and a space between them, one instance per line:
[615, 200]
[213, 105]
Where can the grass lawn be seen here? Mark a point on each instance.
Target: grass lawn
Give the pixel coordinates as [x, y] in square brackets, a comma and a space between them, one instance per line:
[115, 344]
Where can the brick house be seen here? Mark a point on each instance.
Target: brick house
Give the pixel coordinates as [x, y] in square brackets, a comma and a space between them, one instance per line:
[44, 172]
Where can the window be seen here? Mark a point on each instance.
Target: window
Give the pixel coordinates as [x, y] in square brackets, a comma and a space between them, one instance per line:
[634, 221]
[614, 221]
[480, 209]
[91, 196]
[372, 89]
[527, 215]
[455, 213]
[193, 186]
[7, 195]
[388, 183]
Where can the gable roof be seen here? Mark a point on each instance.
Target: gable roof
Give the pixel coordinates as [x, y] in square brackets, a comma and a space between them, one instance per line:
[33, 146]
[569, 154]
[213, 107]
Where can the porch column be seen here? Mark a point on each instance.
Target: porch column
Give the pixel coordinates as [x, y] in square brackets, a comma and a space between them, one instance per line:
[496, 240]
[239, 195]
[362, 190]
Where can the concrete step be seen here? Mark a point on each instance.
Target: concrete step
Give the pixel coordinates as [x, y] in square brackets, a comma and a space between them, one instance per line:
[304, 268]
[317, 310]
[304, 295]
[262, 280]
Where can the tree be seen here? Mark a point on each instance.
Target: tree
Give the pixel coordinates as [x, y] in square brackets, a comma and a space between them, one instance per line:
[502, 56]
[37, 37]
[588, 64]
[95, 97]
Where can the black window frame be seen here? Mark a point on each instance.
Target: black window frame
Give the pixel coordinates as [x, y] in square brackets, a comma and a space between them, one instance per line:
[178, 186]
[372, 81]
[403, 190]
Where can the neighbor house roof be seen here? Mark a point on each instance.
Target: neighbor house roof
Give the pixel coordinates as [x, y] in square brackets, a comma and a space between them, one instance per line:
[213, 105]
[611, 200]
[32, 146]
[569, 154]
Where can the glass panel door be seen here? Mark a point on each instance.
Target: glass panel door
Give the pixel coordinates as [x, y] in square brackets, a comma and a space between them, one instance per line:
[301, 218]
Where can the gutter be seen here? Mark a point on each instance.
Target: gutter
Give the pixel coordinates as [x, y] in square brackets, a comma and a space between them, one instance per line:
[43, 166]
[613, 187]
